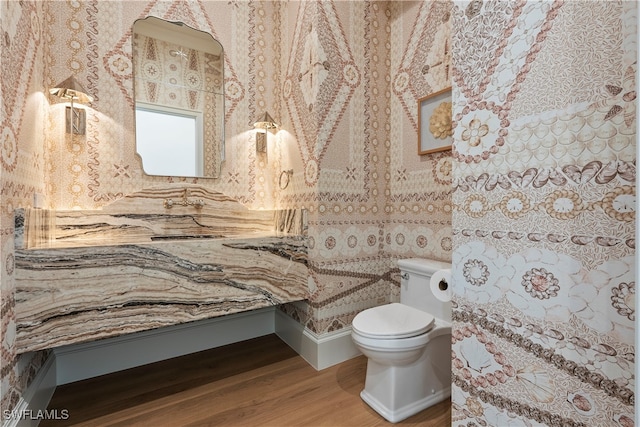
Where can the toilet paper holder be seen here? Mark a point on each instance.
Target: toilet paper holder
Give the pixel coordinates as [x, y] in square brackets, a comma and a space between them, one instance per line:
[442, 285]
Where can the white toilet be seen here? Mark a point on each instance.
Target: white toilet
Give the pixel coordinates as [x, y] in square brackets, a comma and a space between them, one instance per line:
[408, 344]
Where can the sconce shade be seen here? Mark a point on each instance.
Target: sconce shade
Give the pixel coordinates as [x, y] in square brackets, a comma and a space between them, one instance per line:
[265, 122]
[71, 89]
[75, 119]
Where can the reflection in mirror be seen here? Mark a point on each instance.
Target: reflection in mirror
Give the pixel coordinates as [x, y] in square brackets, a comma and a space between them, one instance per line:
[179, 97]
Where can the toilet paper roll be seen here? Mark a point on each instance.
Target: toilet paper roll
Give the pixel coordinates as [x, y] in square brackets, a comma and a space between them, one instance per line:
[441, 285]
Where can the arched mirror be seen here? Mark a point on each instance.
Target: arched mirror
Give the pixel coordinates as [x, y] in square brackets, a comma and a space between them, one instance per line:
[179, 99]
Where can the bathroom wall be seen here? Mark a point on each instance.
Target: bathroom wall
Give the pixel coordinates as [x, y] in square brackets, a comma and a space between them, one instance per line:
[348, 128]
[349, 134]
[348, 131]
[23, 159]
[371, 197]
[544, 213]
[100, 167]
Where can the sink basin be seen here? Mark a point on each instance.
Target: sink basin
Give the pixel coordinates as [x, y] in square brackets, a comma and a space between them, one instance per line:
[186, 237]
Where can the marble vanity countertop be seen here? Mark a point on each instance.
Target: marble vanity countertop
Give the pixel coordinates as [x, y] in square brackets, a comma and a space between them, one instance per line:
[67, 295]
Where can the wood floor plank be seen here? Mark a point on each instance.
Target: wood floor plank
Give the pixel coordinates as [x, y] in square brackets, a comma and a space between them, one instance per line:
[260, 382]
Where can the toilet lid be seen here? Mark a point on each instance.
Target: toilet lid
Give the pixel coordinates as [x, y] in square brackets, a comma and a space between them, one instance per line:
[392, 321]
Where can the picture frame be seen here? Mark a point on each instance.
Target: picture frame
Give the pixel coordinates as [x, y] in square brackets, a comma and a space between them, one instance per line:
[428, 142]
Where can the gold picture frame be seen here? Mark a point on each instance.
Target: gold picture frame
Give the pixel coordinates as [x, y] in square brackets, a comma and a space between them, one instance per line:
[434, 122]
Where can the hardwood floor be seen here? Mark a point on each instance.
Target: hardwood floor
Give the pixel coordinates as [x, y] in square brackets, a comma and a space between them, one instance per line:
[260, 382]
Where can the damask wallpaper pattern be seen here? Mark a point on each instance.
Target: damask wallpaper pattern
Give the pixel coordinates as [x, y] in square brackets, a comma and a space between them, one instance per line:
[544, 213]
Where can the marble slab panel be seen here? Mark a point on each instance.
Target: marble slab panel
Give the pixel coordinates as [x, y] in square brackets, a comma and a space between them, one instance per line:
[159, 257]
[178, 211]
[71, 295]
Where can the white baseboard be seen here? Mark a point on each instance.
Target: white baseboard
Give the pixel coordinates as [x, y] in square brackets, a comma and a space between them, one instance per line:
[81, 361]
[320, 351]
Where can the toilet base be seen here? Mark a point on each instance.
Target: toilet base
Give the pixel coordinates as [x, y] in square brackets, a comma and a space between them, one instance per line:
[397, 392]
[399, 414]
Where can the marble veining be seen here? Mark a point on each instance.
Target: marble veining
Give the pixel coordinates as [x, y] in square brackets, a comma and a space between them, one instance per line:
[143, 217]
[70, 290]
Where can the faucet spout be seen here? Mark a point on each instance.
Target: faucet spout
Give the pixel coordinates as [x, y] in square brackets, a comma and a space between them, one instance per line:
[197, 203]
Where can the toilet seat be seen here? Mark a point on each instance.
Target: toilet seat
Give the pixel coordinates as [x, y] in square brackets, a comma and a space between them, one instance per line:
[392, 321]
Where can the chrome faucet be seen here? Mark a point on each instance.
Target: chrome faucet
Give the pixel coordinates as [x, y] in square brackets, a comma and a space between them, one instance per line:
[197, 203]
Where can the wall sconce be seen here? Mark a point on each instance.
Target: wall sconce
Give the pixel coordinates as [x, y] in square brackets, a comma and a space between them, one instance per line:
[72, 90]
[265, 122]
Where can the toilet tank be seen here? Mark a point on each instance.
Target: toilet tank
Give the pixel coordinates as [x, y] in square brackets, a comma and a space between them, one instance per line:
[415, 289]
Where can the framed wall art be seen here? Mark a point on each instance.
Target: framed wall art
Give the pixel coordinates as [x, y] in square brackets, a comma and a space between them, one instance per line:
[434, 122]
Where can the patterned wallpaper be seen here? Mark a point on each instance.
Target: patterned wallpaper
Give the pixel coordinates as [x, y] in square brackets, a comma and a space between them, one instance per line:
[533, 205]
[351, 84]
[23, 160]
[544, 213]
[341, 78]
